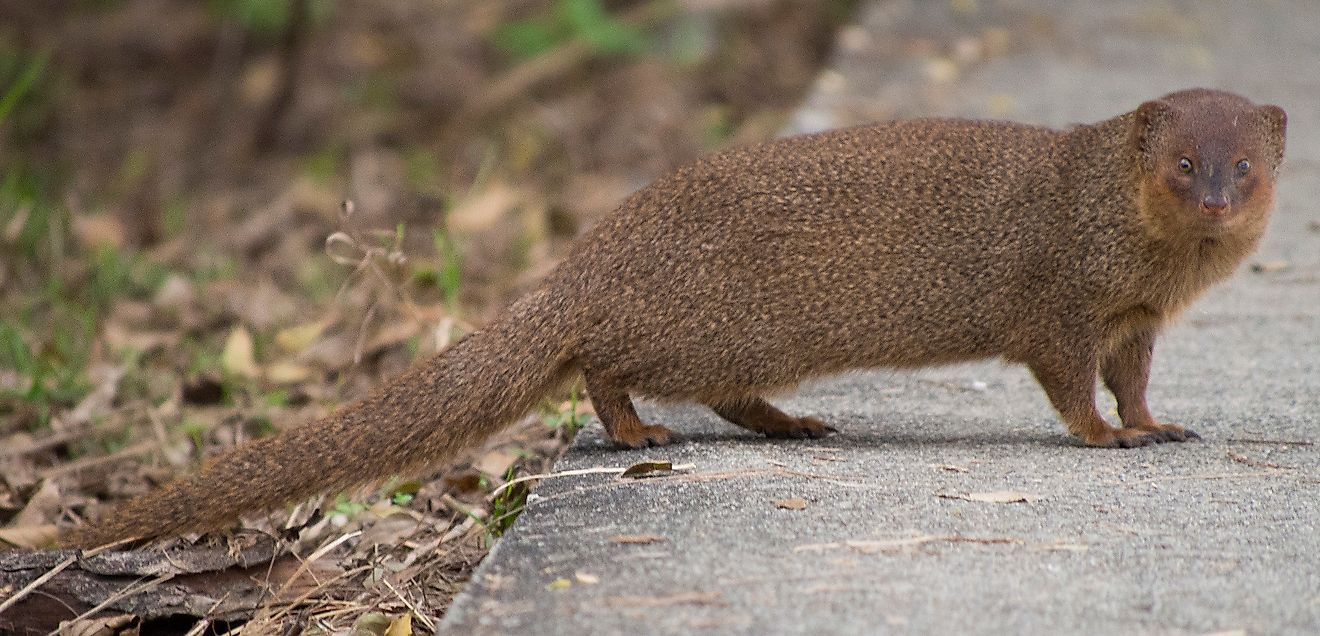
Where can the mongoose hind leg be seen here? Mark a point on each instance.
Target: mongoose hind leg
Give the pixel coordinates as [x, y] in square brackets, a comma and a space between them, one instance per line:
[617, 415]
[755, 414]
[1127, 372]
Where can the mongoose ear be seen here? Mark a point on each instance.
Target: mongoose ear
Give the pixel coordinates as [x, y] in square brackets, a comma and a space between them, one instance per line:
[1276, 128]
[1151, 118]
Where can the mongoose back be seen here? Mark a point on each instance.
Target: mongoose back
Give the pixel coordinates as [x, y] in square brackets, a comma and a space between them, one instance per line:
[900, 245]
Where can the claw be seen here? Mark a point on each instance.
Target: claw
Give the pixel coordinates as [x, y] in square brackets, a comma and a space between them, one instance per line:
[806, 428]
[1171, 435]
[1170, 432]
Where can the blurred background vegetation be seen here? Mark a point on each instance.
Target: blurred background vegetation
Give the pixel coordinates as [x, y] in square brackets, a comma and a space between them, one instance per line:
[200, 151]
[177, 272]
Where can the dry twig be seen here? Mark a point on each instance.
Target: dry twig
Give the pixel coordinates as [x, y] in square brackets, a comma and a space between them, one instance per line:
[1243, 459]
[140, 448]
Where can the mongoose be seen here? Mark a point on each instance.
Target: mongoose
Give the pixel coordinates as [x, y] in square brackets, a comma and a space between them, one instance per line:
[901, 244]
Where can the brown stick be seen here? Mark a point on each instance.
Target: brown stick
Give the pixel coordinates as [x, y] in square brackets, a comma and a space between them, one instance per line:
[291, 47]
[140, 448]
[49, 441]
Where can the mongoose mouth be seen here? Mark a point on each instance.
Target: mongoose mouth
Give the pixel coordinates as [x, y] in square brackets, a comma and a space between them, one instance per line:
[1214, 222]
[1238, 220]
[1217, 216]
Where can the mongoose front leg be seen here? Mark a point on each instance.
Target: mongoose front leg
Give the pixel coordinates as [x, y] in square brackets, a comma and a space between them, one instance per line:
[616, 413]
[755, 414]
[1070, 384]
[1126, 372]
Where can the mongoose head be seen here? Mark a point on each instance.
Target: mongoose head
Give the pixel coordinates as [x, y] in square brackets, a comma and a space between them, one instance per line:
[1209, 160]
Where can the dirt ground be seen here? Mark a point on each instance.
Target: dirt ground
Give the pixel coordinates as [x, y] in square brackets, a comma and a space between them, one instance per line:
[179, 271]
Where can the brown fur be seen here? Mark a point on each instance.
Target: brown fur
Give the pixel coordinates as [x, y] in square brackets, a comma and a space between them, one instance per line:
[903, 244]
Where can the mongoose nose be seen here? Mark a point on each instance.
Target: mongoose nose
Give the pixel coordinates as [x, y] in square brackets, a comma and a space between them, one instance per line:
[1215, 204]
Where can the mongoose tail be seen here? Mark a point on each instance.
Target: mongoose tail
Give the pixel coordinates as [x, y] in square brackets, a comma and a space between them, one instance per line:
[427, 414]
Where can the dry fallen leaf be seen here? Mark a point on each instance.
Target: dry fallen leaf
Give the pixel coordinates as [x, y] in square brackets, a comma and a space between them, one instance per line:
[496, 463]
[792, 503]
[1266, 267]
[688, 598]
[100, 626]
[480, 212]
[42, 507]
[175, 293]
[998, 496]
[286, 372]
[559, 584]
[401, 626]
[389, 530]
[953, 468]
[586, 579]
[646, 469]
[465, 481]
[393, 334]
[101, 400]
[99, 230]
[238, 357]
[16, 225]
[636, 539]
[371, 623]
[941, 70]
[121, 337]
[30, 537]
[298, 338]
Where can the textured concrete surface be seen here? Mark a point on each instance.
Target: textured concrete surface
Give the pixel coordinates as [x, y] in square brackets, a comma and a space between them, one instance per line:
[1222, 535]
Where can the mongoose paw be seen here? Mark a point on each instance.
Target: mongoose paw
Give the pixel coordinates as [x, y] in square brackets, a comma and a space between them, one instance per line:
[1170, 432]
[1143, 434]
[1138, 436]
[802, 428]
[646, 436]
[1121, 438]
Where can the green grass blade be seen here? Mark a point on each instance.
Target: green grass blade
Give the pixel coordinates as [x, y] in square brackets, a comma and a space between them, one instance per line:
[21, 86]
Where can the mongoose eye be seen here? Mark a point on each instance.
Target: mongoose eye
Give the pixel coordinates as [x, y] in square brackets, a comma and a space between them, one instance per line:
[1185, 165]
[1242, 167]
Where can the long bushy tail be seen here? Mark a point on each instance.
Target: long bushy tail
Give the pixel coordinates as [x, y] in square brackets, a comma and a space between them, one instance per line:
[424, 416]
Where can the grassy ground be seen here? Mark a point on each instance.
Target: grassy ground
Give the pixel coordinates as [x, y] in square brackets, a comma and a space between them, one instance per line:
[178, 274]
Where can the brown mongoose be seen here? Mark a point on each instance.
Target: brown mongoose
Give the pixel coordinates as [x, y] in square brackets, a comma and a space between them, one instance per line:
[902, 244]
